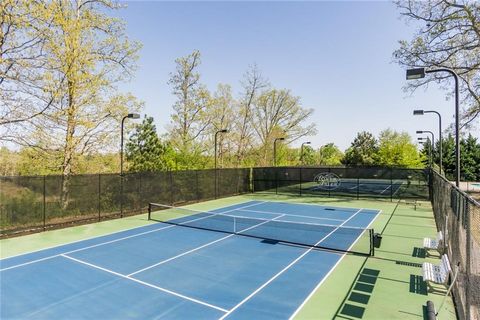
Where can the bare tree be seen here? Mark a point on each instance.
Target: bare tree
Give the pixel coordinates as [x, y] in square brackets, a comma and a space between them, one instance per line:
[253, 83]
[448, 36]
[22, 63]
[222, 115]
[190, 118]
[278, 113]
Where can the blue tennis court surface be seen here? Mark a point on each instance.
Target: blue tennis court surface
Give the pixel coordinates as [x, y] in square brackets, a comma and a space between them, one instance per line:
[165, 271]
[364, 187]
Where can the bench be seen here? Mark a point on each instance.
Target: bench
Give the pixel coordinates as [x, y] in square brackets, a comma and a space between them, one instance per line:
[433, 244]
[437, 273]
[413, 202]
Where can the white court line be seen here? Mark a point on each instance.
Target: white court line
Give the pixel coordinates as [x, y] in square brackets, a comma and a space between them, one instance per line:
[201, 247]
[293, 222]
[144, 283]
[329, 272]
[291, 215]
[284, 269]
[93, 246]
[119, 239]
[397, 190]
[180, 255]
[386, 189]
[293, 201]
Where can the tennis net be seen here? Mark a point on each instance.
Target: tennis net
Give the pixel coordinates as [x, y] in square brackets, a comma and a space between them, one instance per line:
[278, 229]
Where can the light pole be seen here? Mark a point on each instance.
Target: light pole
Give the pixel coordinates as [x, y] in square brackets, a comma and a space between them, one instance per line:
[301, 150]
[419, 73]
[422, 141]
[275, 150]
[216, 134]
[129, 116]
[433, 141]
[440, 139]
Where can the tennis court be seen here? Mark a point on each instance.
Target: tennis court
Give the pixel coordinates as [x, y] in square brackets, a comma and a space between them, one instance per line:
[253, 260]
[364, 186]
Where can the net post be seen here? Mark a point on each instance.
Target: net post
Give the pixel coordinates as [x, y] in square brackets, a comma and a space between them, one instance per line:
[150, 211]
[372, 245]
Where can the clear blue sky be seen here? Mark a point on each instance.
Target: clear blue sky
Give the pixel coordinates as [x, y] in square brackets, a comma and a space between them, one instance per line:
[337, 56]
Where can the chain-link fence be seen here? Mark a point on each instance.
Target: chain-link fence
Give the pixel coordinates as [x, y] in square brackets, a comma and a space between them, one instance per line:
[359, 182]
[38, 202]
[458, 216]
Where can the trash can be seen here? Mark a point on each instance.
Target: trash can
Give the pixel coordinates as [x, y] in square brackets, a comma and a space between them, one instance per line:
[377, 240]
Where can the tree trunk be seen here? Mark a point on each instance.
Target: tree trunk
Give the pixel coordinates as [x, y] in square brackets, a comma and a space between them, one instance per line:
[67, 164]
[69, 150]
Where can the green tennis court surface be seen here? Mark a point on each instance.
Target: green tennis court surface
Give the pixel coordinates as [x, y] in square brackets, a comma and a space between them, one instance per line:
[183, 272]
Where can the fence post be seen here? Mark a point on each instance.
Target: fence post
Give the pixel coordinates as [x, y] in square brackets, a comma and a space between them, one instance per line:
[99, 197]
[171, 187]
[121, 195]
[430, 185]
[251, 179]
[329, 189]
[197, 191]
[216, 183]
[44, 203]
[300, 181]
[468, 271]
[276, 179]
[358, 188]
[391, 184]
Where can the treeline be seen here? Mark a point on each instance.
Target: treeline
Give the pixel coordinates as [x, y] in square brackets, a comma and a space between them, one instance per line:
[469, 156]
[60, 67]
[254, 118]
[147, 152]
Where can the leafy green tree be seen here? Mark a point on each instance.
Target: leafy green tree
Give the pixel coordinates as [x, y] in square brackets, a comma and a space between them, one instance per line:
[449, 156]
[426, 152]
[308, 158]
[99, 163]
[470, 158]
[330, 155]
[397, 149]
[81, 55]
[362, 150]
[145, 151]
[8, 162]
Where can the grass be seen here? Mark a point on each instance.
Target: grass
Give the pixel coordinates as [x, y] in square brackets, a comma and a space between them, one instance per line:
[385, 286]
